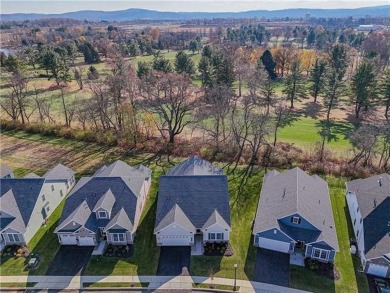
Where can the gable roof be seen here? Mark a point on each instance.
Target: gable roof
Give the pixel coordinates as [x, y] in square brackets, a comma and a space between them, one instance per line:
[373, 197]
[296, 192]
[4, 170]
[120, 169]
[18, 198]
[194, 166]
[10, 216]
[79, 215]
[32, 175]
[216, 218]
[105, 202]
[96, 191]
[59, 172]
[176, 215]
[197, 196]
[120, 219]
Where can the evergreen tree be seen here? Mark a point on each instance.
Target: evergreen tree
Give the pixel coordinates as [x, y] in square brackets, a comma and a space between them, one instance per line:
[363, 86]
[205, 69]
[318, 78]
[184, 64]
[90, 53]
[311, 38]
[161, 64]
[143, 69]
[269, 63]
[193, 46]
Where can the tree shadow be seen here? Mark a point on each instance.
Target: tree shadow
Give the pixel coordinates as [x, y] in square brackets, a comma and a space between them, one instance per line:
[312, 110]
[332, 130]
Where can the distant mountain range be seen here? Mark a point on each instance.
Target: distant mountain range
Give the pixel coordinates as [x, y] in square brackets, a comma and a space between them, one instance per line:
[143, 14]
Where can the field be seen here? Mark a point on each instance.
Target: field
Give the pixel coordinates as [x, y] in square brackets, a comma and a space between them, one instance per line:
[34, 153]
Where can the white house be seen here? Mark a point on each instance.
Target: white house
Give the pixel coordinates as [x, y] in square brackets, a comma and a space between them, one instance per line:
[369, 208]
[26, 203]
[193, 201]
[106, 206]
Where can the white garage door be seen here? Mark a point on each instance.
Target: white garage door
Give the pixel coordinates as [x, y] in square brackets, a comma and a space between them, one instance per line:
[176, 240]
[377, 270]
[86, 241]
[274, 245]
[68, 240]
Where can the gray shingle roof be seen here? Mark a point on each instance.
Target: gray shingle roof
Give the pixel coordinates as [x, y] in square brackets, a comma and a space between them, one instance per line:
[60, 172]
[176, 215]
[197, 196]
[120, 169]
[91, 191]
[21, 201]
[32, 175]
[296, 192]
[120, 219]
[373, 196]
[194, 166]
[78, 216]
[10, 215]
[216, 218]
[105, 202]
[5, 170]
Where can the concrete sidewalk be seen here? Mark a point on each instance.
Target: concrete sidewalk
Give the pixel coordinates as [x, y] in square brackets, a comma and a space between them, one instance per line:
[155, 282]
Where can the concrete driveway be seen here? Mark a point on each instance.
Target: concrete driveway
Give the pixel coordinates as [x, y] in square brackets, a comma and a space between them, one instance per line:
[70, 260]
[173, 259]
[272, 267]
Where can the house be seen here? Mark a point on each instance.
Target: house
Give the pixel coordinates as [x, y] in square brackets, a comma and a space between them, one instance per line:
[106, 206]
[369, 208]
[26, 203]
[6, 172]
[193, 202]
[294, 216]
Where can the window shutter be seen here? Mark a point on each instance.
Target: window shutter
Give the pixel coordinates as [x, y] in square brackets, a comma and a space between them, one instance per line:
[299, 221]
[291, 220]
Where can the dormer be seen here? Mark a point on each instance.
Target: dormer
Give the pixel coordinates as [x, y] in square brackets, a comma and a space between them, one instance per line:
[104, 205]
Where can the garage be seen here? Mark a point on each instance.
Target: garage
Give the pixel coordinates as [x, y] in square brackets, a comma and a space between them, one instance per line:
[176, 240]
[377, 270]
[68, 240]
[274, 245]
[86, 241]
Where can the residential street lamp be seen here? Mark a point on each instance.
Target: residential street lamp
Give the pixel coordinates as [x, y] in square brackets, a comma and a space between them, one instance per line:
[235, 277]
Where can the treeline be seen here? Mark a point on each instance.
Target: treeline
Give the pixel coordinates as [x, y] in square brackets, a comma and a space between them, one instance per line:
[129, 104]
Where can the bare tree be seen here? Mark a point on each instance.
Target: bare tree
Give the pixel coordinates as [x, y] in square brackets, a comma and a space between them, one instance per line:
[170, 96]
[364, 140]
[9, 104]
[18, 84]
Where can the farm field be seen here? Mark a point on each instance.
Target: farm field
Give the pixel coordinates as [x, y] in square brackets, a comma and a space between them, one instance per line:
[34, 153]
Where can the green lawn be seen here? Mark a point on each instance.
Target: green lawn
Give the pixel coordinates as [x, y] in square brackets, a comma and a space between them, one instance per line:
[115, 285]
[304, 133]
[44, 243]
[17, 285]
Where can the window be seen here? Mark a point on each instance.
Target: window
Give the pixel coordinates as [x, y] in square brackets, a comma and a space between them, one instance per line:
[357, 234]
[296, 220]
[320, 253]
[361, 220]
[118, 237]
[215, 236]
[67, 185]
[47, 208]
[357, 209]
[61, 194]
[52, 188]
[212, 236]
[102, 214]
[219, 236]
[354, 222]
[14, 237]
[43, 197]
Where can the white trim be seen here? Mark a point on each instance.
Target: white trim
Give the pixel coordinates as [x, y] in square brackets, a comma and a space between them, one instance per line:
[102, 211]
[311, 243]
[320, 253]
[177, 225]
[291, 215]
[118, 235]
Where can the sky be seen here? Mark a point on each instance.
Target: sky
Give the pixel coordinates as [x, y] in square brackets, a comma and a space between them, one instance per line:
[60, 6]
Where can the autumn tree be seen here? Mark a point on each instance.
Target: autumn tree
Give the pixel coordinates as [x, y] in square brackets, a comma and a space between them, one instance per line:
[385, 92]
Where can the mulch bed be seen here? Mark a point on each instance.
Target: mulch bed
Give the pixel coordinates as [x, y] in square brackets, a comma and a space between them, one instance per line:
[218, 249]
[122, 251]
[324, 269]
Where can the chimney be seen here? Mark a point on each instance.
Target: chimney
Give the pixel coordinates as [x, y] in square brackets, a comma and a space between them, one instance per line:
[374, 202]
